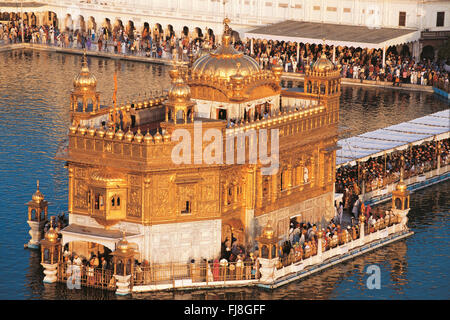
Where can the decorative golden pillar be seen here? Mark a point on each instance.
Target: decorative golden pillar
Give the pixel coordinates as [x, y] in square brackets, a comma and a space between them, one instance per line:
[274, 188]
[300, 167]
[289, 179]
[235, 192]
[147, 194]
[321, 169]
[312, 175]
[259, 188]
[71, 182]
[249, 185]
[225, 195]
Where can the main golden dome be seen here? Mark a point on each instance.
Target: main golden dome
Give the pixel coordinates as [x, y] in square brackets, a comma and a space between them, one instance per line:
[85, 80]
[223, 62]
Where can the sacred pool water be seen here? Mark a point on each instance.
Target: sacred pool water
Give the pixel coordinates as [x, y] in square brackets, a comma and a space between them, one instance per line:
[34, 120]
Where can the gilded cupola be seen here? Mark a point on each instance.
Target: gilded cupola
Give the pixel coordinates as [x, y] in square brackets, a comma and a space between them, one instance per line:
[179, 98]
[323, 64]
[37, 196]
[85, 80]
[84, 99]
[179, 92]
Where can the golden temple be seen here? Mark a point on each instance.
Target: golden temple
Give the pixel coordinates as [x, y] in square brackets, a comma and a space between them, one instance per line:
[122, 177]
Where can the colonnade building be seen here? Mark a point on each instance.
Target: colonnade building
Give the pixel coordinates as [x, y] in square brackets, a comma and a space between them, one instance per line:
[201, 18]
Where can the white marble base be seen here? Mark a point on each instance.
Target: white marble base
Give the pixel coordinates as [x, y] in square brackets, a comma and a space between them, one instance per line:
[268, 269]
[50, 271]
[123, 284]
[36, 232]
[181, 242]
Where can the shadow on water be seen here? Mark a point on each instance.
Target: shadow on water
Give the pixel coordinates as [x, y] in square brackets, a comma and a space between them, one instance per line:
[34, 119]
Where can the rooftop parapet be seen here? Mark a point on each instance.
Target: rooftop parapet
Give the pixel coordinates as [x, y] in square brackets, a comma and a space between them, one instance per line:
[97, 145]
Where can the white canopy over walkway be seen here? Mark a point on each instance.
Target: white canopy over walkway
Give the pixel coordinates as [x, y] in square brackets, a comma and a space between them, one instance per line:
[396, 137]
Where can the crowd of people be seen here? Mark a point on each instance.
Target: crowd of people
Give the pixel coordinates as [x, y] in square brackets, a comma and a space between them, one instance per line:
[357, 63]
[384, 170]
[302, 242]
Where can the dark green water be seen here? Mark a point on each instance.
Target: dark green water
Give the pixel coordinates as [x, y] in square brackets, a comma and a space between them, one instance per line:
[34, 119]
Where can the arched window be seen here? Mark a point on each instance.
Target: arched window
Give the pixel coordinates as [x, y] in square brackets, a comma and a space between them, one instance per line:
[281, 181]
[101, 203]
[115, 202]
[398, 203]
[97, 202]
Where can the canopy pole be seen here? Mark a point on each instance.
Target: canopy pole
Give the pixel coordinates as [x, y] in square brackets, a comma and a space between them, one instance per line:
[334, 54]
[384, 56]
[251, 46]
[298, 52]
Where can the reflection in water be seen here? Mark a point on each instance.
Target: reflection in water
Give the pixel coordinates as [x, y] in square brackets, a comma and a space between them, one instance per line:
[34, 119]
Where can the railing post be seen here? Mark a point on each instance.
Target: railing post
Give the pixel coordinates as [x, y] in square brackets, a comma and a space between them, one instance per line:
[173, 274]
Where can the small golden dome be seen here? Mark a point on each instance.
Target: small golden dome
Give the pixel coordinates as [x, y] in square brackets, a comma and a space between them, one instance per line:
[401, 186]
[101, 132]
[158, 136]
[129, 136]
[73, 128]
[148, 138]
[51, 235]
[85, 80]
[222, 62]
[166, 136]
[107, 176]
[119, 134]
[268, 231]
[320, 233]
[91, 131]
[138, 137]
[82, 129]
[123, 245]
[323, 64]
[277, 71]
[37, 196]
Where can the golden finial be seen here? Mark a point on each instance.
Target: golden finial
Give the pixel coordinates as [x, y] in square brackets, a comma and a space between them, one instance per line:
[37, 196]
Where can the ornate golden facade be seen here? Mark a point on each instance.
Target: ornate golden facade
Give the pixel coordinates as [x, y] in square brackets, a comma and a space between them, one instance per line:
[129, 178]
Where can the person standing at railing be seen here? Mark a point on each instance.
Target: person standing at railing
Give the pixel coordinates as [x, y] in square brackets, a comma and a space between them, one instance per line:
[216, 269]
[223, 268]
